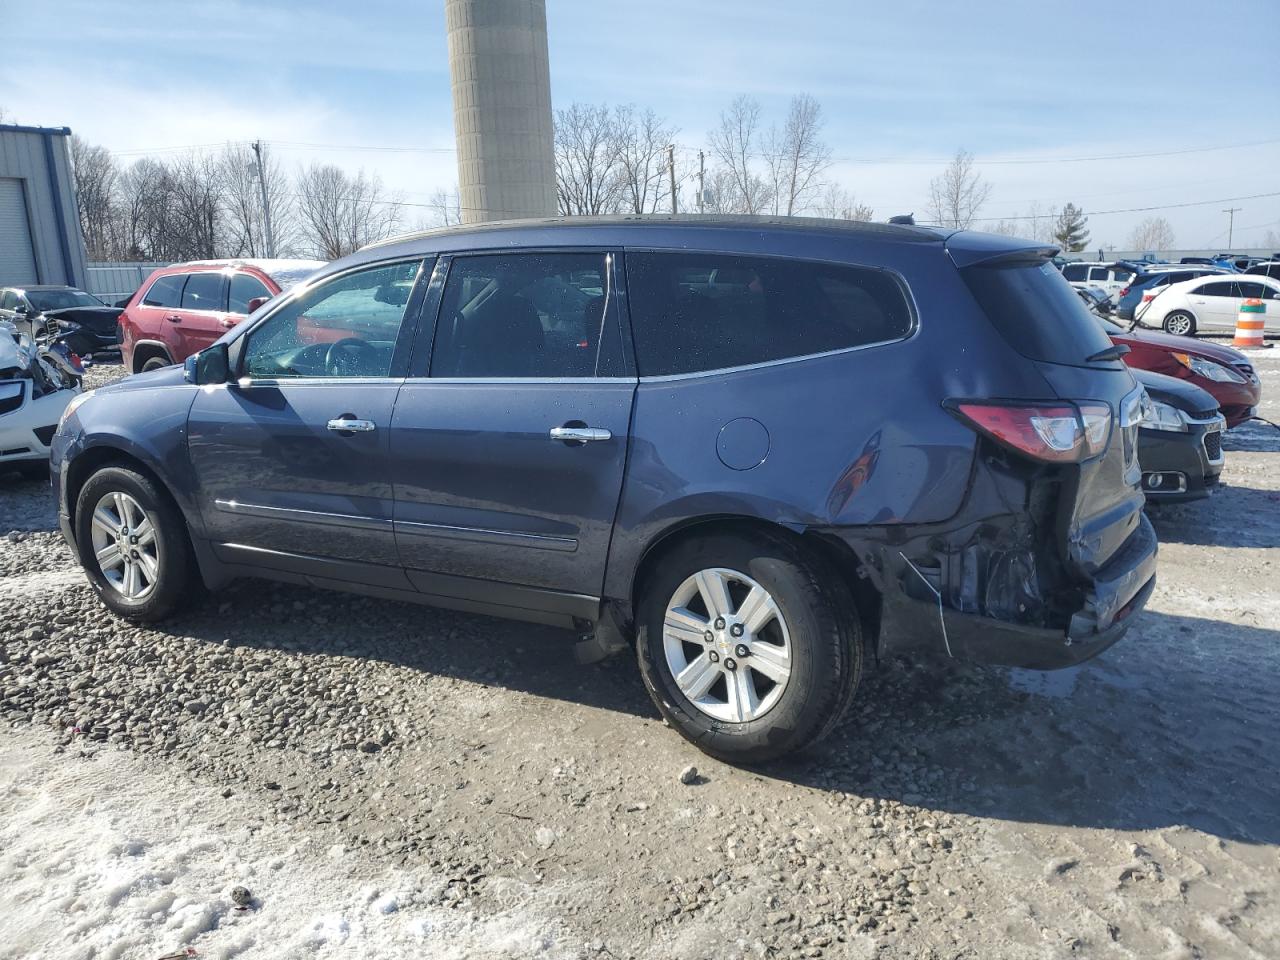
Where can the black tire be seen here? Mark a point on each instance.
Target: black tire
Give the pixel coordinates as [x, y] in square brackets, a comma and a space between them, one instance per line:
[154, 363]
[178, 580]
[1175, 318]
[826, 646]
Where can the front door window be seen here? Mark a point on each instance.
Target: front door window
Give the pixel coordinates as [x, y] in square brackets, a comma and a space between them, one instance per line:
[347, 326]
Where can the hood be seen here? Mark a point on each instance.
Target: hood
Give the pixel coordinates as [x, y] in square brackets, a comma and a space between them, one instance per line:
[1181, 394]
[95, 318]
[164, 377]
[1202, 348]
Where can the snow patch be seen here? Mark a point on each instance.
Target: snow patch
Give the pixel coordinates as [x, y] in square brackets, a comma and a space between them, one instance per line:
[119, 858]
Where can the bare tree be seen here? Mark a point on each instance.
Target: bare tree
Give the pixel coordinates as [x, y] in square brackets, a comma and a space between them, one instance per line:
[734, 144]
[587, 156]
[195, 218]
[957, 194]
[242, 197]
[1153, 233]
[95, 173]
[837, 203]
[641, 141]
[446, 208]
[338, 214]
[1272, 240]
[796, 156]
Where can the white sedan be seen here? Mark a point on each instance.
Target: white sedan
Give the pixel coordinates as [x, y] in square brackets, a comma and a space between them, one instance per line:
[1210, 303]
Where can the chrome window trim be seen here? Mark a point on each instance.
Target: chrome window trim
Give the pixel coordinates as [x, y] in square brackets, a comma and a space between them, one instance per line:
[248, 383]
[519, 381]
[664, 378]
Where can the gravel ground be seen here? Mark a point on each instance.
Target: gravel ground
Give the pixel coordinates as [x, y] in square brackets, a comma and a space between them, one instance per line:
[1126, 808]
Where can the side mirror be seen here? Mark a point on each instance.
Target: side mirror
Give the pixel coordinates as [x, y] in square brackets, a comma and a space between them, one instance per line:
[21, 309]
[255, 303]
[210, 365]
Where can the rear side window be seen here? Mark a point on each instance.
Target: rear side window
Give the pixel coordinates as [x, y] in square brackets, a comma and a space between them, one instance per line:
[203, 292]
[1223, 288]
[1098, 273]
[693, 312]
[1036, 311]
[244, 287]
[514, 316]
[166, 291]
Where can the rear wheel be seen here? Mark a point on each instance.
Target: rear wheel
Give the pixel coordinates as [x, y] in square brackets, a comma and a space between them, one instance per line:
[749, 646]
[1180, 324]
[133, 545]
[154, 363]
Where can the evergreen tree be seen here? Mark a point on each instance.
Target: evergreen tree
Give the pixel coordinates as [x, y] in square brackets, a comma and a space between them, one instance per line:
[1069, 231]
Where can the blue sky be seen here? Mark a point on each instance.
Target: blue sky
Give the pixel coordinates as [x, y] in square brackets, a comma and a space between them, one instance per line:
[904, 83]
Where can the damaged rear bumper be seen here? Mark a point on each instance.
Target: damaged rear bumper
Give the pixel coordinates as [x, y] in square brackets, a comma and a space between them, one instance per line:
[919, 612]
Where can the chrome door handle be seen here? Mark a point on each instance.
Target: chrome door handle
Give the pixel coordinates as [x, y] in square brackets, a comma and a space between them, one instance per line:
[580, 434]
[349, 425]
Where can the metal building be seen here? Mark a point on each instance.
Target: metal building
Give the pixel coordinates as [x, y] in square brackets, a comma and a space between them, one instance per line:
[40, 239]
[501, 77]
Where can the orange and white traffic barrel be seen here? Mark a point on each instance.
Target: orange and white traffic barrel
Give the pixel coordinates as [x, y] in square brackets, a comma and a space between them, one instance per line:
[1249, 324]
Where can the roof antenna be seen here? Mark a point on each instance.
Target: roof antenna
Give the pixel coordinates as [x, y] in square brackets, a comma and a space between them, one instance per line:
[904, 219]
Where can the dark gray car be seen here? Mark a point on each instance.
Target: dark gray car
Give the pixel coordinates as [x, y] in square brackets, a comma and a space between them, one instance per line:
[760, 450]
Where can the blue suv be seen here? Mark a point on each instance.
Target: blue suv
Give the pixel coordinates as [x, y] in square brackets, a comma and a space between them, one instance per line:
[760, 450]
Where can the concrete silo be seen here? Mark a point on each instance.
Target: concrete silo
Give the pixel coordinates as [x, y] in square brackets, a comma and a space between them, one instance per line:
[502, 108]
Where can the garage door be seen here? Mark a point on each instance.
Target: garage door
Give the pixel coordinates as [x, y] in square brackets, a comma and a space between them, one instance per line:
[17, 259]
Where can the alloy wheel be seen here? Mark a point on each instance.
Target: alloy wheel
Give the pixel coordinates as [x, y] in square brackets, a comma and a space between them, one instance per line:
[727, 645]
[125, 546]
[1179, 325]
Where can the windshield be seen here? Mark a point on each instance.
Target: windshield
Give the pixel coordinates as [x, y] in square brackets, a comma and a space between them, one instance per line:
[1037, 311]
[44, 300]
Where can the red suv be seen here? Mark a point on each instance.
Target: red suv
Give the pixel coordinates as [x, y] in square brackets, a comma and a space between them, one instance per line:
[183, 308]
[1221, 370]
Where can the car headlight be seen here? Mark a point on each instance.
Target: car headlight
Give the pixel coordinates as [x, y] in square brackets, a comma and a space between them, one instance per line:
[1157, 415]
[72, 407]
[1208, 369]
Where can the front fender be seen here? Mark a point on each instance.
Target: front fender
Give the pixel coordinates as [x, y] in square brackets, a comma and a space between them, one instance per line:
[148, 424]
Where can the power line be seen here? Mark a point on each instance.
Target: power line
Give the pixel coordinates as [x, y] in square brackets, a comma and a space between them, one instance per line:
[899, 161]
[1166, 206]
[1041, 160]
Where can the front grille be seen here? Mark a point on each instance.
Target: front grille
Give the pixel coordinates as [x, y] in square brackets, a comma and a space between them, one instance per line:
[1213, 444]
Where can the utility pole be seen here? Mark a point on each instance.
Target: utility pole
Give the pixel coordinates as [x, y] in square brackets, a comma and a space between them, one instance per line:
[1231, 223]
[266, 207]
[671, 174]
[702, 185]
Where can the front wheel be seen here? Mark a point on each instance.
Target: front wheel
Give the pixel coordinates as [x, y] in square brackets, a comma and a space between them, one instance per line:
[748, 646]
[133, 545]
[1180, 324]
[155, 363]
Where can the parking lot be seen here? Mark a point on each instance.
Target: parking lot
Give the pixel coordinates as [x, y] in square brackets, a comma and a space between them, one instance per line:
[451, 785]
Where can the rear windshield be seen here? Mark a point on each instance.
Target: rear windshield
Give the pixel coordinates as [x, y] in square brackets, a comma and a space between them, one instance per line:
[1037, 311]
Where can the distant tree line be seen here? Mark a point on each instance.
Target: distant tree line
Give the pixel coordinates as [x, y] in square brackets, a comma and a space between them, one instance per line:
[608, 159]
[204, 205]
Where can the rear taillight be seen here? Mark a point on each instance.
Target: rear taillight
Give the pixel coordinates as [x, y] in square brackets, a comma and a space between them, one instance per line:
[1124, 291]
[1055, 432]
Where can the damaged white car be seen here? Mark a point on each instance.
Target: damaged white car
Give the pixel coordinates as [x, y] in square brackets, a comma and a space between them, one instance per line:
[36, 384]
